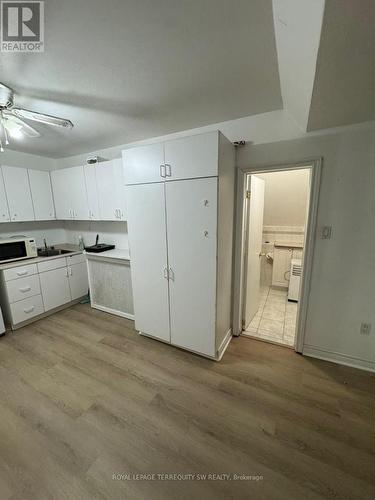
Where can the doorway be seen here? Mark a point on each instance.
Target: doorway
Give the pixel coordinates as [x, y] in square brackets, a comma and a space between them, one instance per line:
[276, 220]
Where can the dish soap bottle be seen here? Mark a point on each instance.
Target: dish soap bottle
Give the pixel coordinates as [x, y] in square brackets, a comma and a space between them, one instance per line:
[81, 244]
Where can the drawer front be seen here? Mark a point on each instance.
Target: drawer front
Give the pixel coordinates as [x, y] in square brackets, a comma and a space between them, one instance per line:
[49, 265]
[26, 309]
[75, 259]
[20, 272]
[23, 288]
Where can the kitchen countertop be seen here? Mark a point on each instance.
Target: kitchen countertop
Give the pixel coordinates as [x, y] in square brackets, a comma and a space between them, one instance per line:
[116, 253]
[74, 249]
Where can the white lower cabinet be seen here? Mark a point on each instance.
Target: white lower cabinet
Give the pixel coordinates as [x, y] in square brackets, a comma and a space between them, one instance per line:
[28, 291]
[55, 288]
[26, 309]
[78, 281]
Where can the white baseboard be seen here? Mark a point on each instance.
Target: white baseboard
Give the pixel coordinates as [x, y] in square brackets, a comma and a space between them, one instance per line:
[341, 359]
[224, 344]
[113, 311]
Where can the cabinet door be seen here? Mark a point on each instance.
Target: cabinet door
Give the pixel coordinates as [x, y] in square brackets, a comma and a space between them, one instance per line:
[55, 288]
[281, 266]
[92, 191]
[78, 280]
[119, 190]
[192, 240]
[61, 193]
[18, 192]
[4, 209]
[106, 190]
[194, 156]
[148, 247]
[78, 194]
[41, 193]
[143, 164]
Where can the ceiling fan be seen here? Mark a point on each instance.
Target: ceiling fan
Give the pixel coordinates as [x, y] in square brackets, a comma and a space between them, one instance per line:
[12, 122]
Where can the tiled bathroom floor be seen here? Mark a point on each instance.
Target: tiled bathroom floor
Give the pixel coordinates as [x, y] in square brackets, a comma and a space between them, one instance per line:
[276, 318]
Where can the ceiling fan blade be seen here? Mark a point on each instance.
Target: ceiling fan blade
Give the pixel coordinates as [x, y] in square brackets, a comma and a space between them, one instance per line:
[42, 118]
[25, 128]
[6, 96]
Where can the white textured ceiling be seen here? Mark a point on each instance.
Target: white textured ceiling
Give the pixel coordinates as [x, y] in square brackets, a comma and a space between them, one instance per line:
[344, 88]
[124, 70]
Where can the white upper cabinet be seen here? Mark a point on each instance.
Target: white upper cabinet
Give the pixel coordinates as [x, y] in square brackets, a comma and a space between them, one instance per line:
[185, 158]
[119, 189]
[144, 164]
[191, 157]
[41, 193]
[111, 190]
[78, 194]
[92, 191]
[69, 191]
[60, 187]
[18, 192]
[4, 209]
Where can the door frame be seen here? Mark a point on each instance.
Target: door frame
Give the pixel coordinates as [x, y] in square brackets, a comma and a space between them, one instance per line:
[315, 166]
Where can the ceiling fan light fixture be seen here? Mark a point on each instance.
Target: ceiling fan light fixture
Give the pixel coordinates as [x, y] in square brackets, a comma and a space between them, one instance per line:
[16, 133]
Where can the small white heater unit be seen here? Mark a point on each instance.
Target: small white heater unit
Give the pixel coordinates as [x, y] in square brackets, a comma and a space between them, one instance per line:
[295, 279]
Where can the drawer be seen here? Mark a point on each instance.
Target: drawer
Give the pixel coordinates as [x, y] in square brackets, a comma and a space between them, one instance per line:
[51, 264]
[20, 271]
[26, 309]
[23, 288]
[76, 259]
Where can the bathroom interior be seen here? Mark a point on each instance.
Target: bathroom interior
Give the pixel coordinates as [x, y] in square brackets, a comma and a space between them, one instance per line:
[277, 214]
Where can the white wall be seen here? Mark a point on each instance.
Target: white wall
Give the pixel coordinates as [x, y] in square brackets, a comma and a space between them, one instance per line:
[285, 197]
[342, 285]
[18, 159]
[115, 233]
[265, 127]
[56, 232]
[52, 231]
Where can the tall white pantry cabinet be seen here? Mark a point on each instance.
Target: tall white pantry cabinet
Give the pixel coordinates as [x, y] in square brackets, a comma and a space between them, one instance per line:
[180, 202]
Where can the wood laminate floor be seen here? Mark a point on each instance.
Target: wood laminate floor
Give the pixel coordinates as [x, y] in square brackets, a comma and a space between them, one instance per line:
[84, 397]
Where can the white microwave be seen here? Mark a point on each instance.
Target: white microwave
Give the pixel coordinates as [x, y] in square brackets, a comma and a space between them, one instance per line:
[17, 249]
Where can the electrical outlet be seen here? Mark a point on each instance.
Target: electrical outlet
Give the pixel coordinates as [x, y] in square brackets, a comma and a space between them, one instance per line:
[326, 232]
[365, 329]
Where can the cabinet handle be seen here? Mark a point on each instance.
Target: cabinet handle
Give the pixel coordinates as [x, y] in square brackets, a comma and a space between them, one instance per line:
[25, 289]
[168, 170]
[162, 171]
[29, 309]
[170, 273]
[70, 271]
[21, 273]
[166, 273]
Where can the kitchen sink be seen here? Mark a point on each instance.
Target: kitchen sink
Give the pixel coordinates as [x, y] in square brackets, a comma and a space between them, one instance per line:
[51, 252]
